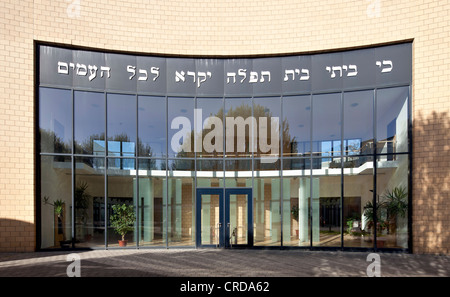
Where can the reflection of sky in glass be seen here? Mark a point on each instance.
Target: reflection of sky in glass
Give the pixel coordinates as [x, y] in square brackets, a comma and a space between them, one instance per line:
[358, 116]
[89, 117]
[121, 116]
[271, 106]
[209, 106]
[390, 102]
[152, 123]
[326, 119]
[55, 112]
[297, 113]
[233, 103]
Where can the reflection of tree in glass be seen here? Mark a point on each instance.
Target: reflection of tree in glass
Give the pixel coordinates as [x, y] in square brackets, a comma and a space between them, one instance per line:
[51, 143]
[87, 146]
[244, 111]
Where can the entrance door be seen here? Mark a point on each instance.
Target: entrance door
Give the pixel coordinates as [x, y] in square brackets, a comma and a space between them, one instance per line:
[224, 217]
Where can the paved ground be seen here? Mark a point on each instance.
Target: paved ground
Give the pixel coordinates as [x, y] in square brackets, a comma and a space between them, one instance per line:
[219, 263]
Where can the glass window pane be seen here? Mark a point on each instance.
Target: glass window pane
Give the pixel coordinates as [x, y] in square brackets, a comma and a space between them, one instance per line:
[181, 203]
[56, 202]
[238, 173]
[358, 123]
[212, 140]
[89, 200]
[392, 196]
[326, 207]
[152, 126]
[296, 125]
[238, 219]
[89, 121]
[292, 164]
[152, 202]
[392, 120]
[267, 112]
[210, 219]
[326, 124]
[267, 204]
[358, 199]
[121, 123]
[209, 173]
[121, 193]
[240, 141]
[296, 205]
[181, 125]
[55, 120]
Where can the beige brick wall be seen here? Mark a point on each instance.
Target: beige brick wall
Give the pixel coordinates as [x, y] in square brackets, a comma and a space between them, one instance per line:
[235, 27]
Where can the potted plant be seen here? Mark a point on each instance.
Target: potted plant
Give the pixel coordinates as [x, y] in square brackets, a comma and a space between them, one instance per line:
[396, 204]
[122, 220]
[393, 204]
[82, 199]
[58, 206]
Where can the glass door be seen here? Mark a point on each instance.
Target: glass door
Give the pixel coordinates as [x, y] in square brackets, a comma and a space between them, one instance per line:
[224, 218]
[238, 217]
[210, 218]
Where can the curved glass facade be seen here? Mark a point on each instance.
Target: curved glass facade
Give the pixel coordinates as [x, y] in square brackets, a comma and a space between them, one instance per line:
[312, 162]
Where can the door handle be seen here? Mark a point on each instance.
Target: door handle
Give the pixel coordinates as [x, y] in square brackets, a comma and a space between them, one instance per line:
[230, 236]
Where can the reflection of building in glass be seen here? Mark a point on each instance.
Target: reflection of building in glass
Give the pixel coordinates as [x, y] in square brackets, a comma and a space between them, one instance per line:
[219, 171]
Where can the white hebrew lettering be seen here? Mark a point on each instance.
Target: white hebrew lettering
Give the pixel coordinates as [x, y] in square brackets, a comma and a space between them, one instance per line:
[92, 71]
[306, 76]
[354, 69]
[202, 74]
[155, 71]
[179, 76]
[266, 73]
[199, 81]
[231, 74]
[144, 72]
[103, 69]
[63, 68]
[253, 77]
[132, 70]
[288, 71]
[81, 69]
[385, 63]
[242, 72]
[198, 77]
[341, 69]
[303, 76]
[191, 73]
[336, 68]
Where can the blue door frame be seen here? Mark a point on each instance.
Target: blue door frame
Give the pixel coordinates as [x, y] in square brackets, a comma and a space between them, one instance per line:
[224, 215]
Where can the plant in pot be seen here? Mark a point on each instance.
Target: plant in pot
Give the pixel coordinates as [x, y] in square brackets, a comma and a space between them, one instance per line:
[393, 204]
[122, 220]
[58, 206]
[82, 199]
[369, 214]
[396, 204]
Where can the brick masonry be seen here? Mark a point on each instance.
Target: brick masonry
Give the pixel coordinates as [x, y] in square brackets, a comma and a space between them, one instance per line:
[227, 28]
